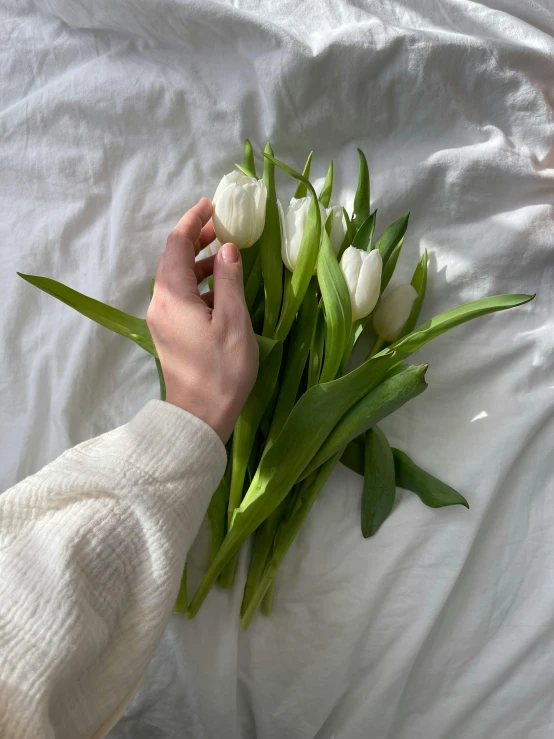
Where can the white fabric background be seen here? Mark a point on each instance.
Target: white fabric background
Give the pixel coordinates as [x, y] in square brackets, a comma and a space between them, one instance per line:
[115, 117]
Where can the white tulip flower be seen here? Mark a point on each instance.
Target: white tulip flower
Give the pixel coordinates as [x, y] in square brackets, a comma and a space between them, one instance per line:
[338, 227]
[292, 228]
[362, 272]
[239, 209]
[393, 311]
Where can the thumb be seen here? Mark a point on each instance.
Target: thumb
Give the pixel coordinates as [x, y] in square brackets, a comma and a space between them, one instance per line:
[229, 302]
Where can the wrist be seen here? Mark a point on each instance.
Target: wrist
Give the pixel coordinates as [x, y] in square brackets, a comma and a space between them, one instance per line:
[218, 415]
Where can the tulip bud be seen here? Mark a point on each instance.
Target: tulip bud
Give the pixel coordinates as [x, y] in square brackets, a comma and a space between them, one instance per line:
[393, 312]
[338, 227]
[239, 209]
[293, 225]
[362, 272]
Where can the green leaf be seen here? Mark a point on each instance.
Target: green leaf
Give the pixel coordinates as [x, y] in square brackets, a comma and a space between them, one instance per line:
[249, 166]
[419, 282]
[433, 492]
[249, 258]
[181, 605]
[297, 355]
[116, 320]
[307, 256]
[353, 456]
[271, 353]
[287, 531]
[317, 348]
[375, 405]
[379, 481]
[338, 309]
[161, 378]
[242, 169]
[390, 266]
[244, 434]
[362, 196]
[392, 236]
[327, 189]
[302, 190]
[263, 543]
[253, 283]
[348, 236]
[217, 512]
[364, 237]
[309, 424]
[270, 250]
[455, 317]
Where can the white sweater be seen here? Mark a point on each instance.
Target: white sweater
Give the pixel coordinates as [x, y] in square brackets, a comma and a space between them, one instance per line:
[92, 550]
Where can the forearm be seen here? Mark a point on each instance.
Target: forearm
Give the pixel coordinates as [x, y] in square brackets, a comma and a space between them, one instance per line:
[91, 553]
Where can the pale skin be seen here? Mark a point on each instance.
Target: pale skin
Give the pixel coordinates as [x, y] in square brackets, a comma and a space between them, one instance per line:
[206, 344]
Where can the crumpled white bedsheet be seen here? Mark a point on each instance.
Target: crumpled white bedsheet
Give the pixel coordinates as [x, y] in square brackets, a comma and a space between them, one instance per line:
[115, 117]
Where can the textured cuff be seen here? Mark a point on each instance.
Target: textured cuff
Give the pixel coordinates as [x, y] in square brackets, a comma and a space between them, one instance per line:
[168, 442]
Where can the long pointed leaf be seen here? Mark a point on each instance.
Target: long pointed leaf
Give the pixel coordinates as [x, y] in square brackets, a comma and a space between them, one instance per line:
[287, 532]
[432, 491]
[390, 266]
[244, 433]
[298, 350]
[338, 309]
[317, 348]
[307, 256]
[348, 236]
[310, 422]
[161, 378]
[270, 251]
[419, 282]
[353, 456]
[116, 320]
[327, 189]
[248, 165]
[362, 196]
[455, 317]
[253, 283]
[364, 236]
[392, 236]
[390, 395]
[302, 190]
[379, 481]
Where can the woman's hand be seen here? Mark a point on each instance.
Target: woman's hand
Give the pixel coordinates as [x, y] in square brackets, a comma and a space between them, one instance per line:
[206, 344]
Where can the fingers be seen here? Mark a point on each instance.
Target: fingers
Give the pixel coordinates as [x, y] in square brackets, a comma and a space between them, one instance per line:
[190, 225]
[204, 268]
[176, 270]
[229, 303]
[207, 235]
[208, 298]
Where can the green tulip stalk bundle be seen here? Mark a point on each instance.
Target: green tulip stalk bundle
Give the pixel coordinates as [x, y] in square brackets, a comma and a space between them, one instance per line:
[315, 280]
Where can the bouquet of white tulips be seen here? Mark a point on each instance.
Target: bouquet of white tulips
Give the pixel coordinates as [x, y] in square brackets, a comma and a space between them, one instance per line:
[315, 282]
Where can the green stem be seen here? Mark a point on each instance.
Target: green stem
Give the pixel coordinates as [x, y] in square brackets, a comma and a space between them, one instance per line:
[269, 597]
[287, 532]
[379, 343]
[181, 604]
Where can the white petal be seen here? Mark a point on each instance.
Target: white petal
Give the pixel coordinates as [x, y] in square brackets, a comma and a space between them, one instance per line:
[259, 194]
[369, 283]
[338, 228]
[350, 265]
[233, 212]
[295, 222]
[393, 311]
[227, 179]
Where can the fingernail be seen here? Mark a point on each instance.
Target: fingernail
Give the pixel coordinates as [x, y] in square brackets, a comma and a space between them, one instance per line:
[229, 253]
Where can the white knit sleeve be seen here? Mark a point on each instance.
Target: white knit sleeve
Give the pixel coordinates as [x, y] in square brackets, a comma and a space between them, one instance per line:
[92, 550]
